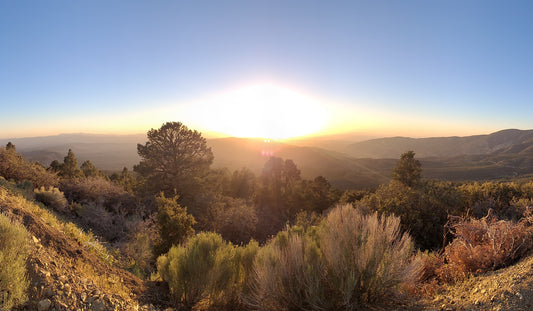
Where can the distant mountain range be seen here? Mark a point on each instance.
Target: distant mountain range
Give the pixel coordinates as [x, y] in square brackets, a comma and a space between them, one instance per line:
[107, 152]
[506, 141]
[365, 164]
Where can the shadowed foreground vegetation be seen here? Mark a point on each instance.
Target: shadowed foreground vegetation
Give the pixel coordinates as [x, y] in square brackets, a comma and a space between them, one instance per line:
[345, 262]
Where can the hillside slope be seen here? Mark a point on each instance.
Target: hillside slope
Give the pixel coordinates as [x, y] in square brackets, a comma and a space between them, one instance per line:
[68, 271]
[510, 288]
[506, 141]
[340, 169]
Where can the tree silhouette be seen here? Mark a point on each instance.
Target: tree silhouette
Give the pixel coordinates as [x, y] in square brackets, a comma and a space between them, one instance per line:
[10, 146]
[174, 160]
[70, 169]
[243, 184]
[127, 180]
[407, 170]
[56, 166]
[89, 170]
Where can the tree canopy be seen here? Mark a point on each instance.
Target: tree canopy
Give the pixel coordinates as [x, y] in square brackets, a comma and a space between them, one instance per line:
[408, 170]
[70, 169]
[174, 160]
[89, 170]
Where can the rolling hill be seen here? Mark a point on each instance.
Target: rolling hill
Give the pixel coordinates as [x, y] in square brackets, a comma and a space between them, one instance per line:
[367, 164]
[340, 169]
[506, 141]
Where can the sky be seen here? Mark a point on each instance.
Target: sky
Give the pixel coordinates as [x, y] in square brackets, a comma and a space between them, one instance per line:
[410, 68]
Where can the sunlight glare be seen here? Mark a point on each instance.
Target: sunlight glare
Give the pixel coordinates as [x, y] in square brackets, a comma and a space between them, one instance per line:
[261, 110]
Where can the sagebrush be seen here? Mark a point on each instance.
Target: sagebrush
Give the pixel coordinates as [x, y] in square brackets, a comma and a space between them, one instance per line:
[207, 271]
[349, 261]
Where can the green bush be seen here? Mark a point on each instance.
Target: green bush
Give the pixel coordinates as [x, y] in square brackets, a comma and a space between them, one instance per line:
[349, 261]
[175, 225]
[423, 210]
[13, 252]
[234, 219]
[51, 197]
[207, 271]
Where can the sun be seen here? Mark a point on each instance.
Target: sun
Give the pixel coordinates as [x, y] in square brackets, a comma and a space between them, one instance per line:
[261, 110]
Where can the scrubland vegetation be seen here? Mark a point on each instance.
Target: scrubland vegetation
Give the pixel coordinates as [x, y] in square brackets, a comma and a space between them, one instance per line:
[234, 240]
[13, 251]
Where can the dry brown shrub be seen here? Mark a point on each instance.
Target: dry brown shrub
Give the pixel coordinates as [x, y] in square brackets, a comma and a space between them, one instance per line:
[13, 166]
[484, 244]
[138, 249]
[431, 263]
[99, 191]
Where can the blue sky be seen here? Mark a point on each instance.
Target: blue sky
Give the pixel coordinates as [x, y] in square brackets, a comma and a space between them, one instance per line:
[417, 68]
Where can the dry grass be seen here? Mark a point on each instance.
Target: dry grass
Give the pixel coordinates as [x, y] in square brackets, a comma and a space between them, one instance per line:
[108, 282]
[85, 238]
[14, 241]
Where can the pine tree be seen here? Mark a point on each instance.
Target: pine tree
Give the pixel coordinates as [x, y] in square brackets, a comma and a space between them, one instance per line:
[10, 146]
[70, 168]
[174, 160]
[408, 170]
[89, 170]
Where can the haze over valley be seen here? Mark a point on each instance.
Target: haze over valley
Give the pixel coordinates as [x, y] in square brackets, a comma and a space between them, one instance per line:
[358, 165]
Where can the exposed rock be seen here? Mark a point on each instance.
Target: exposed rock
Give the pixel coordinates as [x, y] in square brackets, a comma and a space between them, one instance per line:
[44, 305]
[64, 275]
[48, 292]
[97, 305]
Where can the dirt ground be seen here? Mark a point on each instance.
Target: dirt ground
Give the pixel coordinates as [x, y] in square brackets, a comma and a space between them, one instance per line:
[65, 275]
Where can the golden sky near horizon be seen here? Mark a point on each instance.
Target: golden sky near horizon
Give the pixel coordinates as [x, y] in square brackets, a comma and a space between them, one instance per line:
[262, 110]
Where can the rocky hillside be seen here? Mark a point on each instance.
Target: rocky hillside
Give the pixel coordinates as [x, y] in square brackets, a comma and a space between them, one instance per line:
[70, 270]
